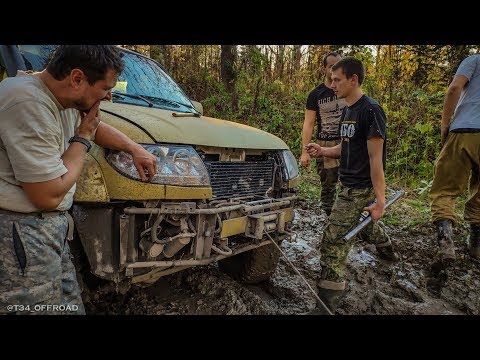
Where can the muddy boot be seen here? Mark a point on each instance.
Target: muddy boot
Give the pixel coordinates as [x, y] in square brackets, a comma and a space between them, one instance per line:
[386, 252]
[330, 299]
[446, 250]
[473, 241]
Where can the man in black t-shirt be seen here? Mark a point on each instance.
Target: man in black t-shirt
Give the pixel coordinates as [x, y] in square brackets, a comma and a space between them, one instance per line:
[361, 171]
[324, 107]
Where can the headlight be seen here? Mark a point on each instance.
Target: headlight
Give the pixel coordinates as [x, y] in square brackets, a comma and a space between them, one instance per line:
[176, 165]
[290, 163]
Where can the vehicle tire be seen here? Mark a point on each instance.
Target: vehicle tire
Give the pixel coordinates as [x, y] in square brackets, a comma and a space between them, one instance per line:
[253, 266]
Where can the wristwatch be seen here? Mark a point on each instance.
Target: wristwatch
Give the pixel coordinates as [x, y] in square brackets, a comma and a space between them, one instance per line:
[82, 140]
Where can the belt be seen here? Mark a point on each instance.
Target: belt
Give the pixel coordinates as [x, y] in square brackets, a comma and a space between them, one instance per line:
[44, 214]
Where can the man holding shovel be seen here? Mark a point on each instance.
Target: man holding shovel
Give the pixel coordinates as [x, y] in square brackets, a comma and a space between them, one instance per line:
[362, 163]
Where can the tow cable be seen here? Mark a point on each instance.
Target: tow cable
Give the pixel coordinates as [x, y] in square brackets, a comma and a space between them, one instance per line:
[301, 276]
[348, 236]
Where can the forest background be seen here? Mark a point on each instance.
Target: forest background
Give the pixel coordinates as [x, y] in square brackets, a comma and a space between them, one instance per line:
[266, 86]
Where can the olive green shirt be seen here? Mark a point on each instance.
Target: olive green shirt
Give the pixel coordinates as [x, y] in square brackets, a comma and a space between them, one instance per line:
[34, 133]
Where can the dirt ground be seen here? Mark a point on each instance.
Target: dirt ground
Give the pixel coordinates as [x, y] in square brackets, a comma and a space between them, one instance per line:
[373, 287]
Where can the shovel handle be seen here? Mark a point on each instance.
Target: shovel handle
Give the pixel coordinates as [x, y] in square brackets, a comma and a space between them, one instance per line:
[397, 195]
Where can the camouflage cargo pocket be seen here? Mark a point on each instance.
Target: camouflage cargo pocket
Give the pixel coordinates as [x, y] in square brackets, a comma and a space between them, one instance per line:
[31, 263]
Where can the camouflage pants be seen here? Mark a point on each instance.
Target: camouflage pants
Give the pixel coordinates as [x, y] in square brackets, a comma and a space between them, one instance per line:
[37, 275]
[327, 169]
[344, 217]
[328, 178]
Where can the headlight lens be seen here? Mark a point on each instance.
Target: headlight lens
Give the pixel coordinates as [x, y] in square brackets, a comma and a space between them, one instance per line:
[291, 164]
[176, 165]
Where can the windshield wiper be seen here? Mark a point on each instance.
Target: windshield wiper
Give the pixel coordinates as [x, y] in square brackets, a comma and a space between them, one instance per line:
[139, 97]
[172, 102]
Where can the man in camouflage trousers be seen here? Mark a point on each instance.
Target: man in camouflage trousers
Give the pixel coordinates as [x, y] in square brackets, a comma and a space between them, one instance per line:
[48, 120]
[324, 107]
[29, 267]
[362, 162]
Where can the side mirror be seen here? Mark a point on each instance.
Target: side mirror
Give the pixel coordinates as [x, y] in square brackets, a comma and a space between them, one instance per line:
[198, 106]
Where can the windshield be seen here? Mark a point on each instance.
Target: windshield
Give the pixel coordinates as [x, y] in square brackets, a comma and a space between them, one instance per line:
[143, 79]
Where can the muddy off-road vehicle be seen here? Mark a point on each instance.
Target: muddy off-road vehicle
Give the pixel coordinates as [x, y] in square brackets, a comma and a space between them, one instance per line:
[220, 186]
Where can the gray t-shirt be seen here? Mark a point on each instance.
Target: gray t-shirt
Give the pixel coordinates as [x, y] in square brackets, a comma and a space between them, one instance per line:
[34, 133]
[467, 112]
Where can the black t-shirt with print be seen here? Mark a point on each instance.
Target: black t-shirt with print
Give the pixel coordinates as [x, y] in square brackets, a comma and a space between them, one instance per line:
[328, 108]
[363, 120]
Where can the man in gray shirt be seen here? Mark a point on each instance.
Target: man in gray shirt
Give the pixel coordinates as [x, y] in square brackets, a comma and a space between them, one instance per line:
[457, 166]
[47, 122]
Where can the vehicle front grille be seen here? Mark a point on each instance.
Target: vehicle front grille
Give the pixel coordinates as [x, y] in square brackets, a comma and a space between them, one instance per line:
[240, 178]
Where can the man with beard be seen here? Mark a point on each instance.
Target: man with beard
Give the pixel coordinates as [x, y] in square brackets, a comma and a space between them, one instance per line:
[48, 120]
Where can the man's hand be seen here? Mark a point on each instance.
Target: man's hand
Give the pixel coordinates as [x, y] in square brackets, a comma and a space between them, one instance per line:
[305, 159]
[89, 122]
[314, 150]
[377, 210]
[144, 160]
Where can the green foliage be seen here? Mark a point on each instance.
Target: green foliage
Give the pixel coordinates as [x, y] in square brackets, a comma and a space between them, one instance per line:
[424, 189]
[309, 192]
[272, 86]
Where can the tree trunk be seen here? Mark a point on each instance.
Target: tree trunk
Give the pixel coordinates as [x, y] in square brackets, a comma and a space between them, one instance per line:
[297, 57]
[280, 62]
[257, 93]
[228, 57]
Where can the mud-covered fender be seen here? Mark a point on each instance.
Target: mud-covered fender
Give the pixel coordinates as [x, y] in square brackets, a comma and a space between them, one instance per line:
[91, 184]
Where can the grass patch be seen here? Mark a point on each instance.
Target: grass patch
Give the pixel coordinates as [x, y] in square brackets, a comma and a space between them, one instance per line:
[309, 192]
[310, 185]
[409, 212]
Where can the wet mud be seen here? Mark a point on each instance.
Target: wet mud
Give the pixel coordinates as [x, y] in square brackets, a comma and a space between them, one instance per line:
[374, 287]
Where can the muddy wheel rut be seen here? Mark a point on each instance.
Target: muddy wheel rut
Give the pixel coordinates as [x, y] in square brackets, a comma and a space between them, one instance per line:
[407, 287]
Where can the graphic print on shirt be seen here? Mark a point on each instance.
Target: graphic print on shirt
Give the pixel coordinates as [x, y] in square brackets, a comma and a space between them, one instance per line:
[347, 126]
[330, 109]
[347, 130]
[360, 122]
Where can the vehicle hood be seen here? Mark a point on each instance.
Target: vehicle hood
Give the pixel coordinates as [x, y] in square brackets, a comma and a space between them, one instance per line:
[163, 127]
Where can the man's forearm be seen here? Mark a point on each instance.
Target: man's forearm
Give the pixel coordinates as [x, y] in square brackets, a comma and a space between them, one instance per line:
[375, 154]
[308, 126]
[332, 152]
[48, 195]
[451, 101]
[306, 134]
[144, 161]
[111, 138]
[378, 180]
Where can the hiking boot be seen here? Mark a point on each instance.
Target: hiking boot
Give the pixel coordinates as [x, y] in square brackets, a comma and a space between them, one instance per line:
[473, 241]
[330, 299]
[446, 250]
[386, 252]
